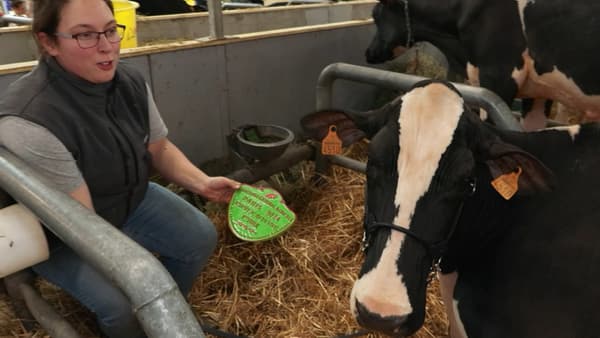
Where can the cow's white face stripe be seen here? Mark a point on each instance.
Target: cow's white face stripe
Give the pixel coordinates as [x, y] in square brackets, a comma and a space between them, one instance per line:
[522, 4]
[428, 113]
[428, 119]
[573, 130]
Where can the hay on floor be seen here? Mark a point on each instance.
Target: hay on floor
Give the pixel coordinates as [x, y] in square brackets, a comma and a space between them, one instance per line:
[296, 285]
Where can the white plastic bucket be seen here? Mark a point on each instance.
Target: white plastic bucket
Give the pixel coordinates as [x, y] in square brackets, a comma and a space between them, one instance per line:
[22, 240]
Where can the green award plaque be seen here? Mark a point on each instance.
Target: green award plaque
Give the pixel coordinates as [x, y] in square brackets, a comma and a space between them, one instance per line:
[257, 214]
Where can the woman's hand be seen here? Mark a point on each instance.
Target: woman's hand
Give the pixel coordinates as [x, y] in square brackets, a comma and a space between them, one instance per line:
[219, 189]
[174, 166]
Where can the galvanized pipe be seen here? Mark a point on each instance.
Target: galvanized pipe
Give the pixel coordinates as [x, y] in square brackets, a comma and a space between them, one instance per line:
[233, 5]
[350, 163]
[259, 171]
[48, 318]
[12, 284]
[497, 109]
[215, 19]
[155, 298]
[15, 19]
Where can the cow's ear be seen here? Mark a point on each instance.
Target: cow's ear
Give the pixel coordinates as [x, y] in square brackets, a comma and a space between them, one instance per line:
[350, 126]
[509, 161]
[316, 126]
[373, 120]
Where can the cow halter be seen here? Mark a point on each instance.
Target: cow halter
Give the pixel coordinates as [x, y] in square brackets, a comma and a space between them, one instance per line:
[408, 26]
[434, 250]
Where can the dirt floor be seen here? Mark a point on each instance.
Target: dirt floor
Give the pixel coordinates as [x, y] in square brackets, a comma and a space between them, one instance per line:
[296, 285]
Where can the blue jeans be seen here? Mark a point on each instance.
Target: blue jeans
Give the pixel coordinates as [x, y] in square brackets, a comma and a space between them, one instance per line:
[164, 223]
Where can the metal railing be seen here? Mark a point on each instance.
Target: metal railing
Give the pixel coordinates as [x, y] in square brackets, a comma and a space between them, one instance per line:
[15, 19]
[159, 306]
[498, 111]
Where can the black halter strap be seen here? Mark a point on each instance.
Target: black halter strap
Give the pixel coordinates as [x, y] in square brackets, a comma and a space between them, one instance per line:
[435, 250]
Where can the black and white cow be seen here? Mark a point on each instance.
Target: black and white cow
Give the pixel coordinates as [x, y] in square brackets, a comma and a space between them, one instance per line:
[162, 7]
[524, 267]
[517, 48]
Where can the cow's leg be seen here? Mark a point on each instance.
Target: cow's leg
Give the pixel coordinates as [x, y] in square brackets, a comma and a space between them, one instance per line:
[447, 284]
[534, 113]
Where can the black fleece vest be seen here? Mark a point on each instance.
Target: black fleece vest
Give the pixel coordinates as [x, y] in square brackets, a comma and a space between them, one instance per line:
[105, 127]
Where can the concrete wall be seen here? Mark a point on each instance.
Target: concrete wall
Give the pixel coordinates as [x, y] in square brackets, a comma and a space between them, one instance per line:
[195, 25]
[205, 89]
[17, 43]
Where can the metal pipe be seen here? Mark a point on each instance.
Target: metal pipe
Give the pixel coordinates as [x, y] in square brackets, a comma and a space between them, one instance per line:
[15, 19]
[350, 163]
[232, 5]
[12, 286]
[30, 307]
[258, 171]
[155, 298]
[215, 19]
[48, 318]
[497, 109]
[306, 2]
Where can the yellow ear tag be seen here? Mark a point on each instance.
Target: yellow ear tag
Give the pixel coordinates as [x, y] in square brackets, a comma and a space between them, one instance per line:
[331, 144]
[507, 185]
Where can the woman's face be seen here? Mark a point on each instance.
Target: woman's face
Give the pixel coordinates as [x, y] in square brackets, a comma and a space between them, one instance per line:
[96, 64]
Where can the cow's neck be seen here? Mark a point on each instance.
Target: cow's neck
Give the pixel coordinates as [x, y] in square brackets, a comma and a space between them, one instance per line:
[546, 144]
[483, 221]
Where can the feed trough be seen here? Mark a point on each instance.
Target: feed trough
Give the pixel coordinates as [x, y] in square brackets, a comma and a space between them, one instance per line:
[261, 142]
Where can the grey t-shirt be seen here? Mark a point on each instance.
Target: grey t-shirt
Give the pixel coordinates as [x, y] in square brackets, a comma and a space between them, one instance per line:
[42, 150]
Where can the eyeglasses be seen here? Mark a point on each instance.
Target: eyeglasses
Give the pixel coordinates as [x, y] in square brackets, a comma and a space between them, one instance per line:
[91, 39]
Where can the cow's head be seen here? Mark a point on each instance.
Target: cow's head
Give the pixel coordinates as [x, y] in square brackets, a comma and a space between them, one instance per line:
[426, 152]
[400, 23]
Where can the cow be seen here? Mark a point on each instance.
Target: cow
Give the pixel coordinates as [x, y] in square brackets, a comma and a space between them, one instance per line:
[516, 48]
[522, 252]
[162, 7]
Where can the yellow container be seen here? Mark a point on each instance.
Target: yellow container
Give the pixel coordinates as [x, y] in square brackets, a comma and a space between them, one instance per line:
[125, 15]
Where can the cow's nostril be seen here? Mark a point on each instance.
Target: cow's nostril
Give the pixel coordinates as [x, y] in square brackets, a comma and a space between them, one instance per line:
[391, 324]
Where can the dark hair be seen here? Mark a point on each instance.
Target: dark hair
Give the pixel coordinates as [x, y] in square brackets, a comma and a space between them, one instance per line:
[46, 16]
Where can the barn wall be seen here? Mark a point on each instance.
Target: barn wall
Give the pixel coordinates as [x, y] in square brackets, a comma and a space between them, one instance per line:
[195, 25]
[18, 44]
[203, 90]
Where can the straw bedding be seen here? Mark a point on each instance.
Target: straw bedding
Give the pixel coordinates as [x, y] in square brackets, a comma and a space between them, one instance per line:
[296, 285]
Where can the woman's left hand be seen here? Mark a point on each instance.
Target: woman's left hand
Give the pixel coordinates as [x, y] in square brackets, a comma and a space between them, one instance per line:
[219, 189]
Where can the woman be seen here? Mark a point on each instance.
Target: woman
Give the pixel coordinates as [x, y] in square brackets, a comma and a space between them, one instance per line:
[90, 126]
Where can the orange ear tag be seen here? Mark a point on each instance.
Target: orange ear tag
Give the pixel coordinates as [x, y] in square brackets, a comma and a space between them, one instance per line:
[507, 185]
[331, 144]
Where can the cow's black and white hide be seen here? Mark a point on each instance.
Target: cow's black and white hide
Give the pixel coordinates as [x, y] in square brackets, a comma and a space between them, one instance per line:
[525, 267]
[516, 48]
[162, 7]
